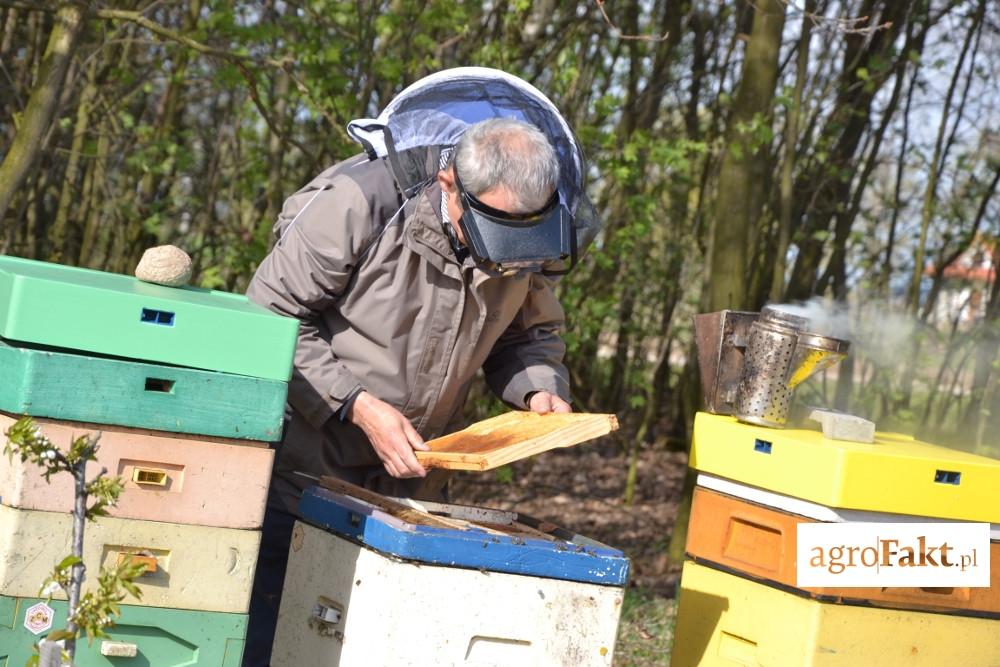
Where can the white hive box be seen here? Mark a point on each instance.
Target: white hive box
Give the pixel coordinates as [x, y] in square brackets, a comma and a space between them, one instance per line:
[191, 567]
[419, 595]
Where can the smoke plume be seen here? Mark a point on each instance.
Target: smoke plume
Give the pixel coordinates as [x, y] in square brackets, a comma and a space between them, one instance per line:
[876, 330]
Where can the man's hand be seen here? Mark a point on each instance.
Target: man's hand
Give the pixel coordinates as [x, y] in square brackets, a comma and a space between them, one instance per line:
[543, 403]
[391, 434]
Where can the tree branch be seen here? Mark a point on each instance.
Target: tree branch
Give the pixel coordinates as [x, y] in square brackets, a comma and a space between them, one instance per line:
[173, 35]
[618, 32]
[240, 61]
[26, 6]
[846, 26]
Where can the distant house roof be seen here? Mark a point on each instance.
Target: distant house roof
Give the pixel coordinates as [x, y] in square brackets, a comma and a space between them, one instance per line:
[978, 273]
[978, 264]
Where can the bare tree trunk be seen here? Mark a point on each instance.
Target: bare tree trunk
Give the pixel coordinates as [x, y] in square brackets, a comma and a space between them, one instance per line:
[94, 184]
[63, 241]
[9, 29]
[930, 193]
[744, 162]
[76, 574]
[984, 405]
[42, 105]
[97, 232]
[953, 395]
[788, 164]
[836, 271]
[952, 346]
[276, 148]
[985, 370]
[897, 205]
[929, 205]
[824, 184]
[616, 384]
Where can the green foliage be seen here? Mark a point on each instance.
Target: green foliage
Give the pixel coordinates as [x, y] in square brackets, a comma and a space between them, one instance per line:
[753, 135]
[26, 441]
[646, 630]
[97, 608]
[199, 150]
[105, 491]
[504, 474]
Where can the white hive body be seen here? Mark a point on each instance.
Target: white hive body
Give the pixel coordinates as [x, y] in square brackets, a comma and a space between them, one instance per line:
[164, 265]
[345, 604]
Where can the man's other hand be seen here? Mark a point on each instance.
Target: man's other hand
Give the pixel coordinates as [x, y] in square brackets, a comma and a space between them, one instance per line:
[543, 403]
[391, 434]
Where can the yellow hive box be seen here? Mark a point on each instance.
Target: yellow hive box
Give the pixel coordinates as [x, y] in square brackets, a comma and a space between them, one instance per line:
[187, 567]
[724, 620]
[894, 474]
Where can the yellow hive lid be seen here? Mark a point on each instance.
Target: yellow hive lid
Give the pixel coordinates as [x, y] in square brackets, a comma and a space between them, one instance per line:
[895, 474]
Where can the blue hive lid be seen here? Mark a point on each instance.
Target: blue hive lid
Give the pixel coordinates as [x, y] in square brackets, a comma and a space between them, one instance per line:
[578, 559]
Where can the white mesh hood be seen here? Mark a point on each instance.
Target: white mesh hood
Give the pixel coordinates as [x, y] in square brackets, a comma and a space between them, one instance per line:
[435, 111]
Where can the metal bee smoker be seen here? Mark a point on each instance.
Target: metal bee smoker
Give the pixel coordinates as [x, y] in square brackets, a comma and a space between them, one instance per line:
[751, 363]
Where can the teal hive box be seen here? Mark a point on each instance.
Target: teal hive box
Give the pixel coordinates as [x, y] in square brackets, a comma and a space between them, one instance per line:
[120, 316]
[74, 387]
[160, 637]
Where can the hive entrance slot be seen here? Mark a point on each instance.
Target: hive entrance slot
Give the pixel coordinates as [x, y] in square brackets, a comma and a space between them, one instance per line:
[948, 477]
[161, 317]
[160, 385]
[149, 476]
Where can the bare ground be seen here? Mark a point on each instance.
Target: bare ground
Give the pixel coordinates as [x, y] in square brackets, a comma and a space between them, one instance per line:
[581, 489]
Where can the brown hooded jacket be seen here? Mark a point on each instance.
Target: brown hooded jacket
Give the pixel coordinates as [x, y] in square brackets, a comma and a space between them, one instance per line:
[385, 305]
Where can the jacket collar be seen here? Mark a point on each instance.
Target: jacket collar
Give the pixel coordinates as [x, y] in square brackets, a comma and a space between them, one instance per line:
[424, 233]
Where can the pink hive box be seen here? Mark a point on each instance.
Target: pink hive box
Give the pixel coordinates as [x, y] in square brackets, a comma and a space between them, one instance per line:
[168, 477]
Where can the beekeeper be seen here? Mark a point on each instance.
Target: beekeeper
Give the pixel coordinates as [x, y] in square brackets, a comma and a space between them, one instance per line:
[411, 267]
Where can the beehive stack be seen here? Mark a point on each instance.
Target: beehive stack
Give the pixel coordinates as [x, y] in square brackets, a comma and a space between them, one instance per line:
[186, 387]
[739, 600]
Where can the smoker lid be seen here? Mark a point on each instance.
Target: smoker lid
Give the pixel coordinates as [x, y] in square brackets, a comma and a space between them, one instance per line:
[783, 317]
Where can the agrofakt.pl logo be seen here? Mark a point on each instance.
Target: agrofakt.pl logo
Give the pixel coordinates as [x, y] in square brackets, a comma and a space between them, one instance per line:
[893, 555]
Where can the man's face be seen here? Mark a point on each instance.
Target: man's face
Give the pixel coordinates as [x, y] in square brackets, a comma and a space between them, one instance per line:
[498, 197]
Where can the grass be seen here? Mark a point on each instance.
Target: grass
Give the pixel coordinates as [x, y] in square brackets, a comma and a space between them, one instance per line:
[646, 631]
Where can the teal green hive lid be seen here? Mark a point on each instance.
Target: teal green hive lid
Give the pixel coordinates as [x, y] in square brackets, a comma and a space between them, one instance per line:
[121, 316]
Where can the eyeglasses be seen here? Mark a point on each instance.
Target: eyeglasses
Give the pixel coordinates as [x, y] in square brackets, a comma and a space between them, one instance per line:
[473, 204]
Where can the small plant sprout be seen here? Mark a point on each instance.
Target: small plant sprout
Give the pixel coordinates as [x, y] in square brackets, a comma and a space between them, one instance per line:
[94, 611]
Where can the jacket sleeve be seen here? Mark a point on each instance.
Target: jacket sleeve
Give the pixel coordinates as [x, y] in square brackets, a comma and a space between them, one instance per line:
[323, 232]
[528, 355]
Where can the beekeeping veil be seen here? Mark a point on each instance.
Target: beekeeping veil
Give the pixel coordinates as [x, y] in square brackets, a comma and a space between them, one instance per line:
[426, 120]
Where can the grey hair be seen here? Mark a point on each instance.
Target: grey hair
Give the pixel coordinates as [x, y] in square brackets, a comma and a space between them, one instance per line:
[508, 153]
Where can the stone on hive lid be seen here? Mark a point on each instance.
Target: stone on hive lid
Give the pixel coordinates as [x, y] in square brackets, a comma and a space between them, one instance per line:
[164, 265]
[843, 426]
